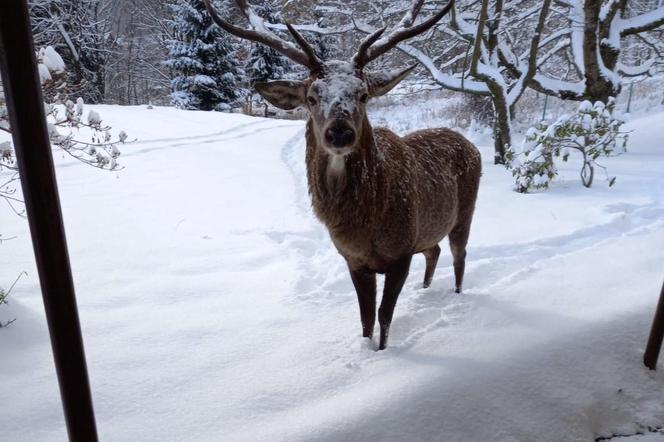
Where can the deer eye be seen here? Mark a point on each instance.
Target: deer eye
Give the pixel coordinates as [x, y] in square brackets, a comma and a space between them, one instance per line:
[364, 98]
[311, 100]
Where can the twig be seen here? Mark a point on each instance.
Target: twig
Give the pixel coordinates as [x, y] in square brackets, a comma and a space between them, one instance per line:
[3, 298]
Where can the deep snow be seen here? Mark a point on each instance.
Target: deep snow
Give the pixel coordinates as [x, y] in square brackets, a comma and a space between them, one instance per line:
[214, 307]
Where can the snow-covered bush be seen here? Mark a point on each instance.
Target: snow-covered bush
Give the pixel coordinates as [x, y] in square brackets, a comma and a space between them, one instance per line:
[66, 126]
[593, 131]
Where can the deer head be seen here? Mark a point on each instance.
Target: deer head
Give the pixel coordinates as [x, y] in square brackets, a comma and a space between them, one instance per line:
[336, 92]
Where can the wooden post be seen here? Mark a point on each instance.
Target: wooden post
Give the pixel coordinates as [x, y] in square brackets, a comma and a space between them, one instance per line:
[18, 68]
[629, 98]
[656, 334]
[546, 102]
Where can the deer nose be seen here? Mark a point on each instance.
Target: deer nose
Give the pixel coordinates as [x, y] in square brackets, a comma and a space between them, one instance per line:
[339, 134]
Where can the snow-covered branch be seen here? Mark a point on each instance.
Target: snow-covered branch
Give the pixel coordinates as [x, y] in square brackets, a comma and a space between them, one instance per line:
[101, 151]
[457, 82]
[595, 47]
[642, 23]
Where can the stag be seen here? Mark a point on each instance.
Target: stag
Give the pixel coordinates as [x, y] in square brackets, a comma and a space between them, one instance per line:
[383, 198]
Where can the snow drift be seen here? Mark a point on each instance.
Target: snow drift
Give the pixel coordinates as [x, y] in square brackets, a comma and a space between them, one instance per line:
[214, 307]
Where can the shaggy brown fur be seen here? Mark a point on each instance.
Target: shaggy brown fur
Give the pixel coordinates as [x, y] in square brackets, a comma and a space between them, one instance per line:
[396, 196]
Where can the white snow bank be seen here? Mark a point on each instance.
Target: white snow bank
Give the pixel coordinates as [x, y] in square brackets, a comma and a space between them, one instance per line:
[215, 308]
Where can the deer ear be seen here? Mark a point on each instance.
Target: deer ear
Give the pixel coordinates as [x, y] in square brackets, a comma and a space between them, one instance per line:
[283, 94]
[382, 82]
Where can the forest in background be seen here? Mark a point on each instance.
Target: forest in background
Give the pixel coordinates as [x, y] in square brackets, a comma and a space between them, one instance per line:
[490, 51]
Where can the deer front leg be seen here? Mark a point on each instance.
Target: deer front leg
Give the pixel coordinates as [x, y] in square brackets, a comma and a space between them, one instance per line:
[365, 287]
[395, 278]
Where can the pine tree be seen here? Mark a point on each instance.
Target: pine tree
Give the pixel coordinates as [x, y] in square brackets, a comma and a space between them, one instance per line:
[322, 43]
[265, 63]
[202, 59]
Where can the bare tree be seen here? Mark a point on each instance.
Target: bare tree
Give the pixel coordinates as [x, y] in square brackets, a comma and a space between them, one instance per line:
[80, 30]
[138, 74]
[499, 48]
[595, 35]
[470, 60]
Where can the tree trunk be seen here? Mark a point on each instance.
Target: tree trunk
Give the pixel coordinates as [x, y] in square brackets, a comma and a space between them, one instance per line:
[597, 52]
[587, 173]
[502, 135]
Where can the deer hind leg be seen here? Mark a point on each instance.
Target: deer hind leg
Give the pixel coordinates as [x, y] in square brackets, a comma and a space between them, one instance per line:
[395, 278]
[365, 287]
[458, 239]
[431, 255]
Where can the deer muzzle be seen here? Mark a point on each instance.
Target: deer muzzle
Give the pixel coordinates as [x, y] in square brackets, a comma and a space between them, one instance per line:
[340, 134]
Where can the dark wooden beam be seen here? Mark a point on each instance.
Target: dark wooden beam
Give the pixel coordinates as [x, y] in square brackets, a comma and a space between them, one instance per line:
[656, 334]
[18, 68]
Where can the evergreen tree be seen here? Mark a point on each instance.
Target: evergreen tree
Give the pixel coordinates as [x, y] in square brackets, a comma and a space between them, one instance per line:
[265, 63]
[322, 43]
[202, 59]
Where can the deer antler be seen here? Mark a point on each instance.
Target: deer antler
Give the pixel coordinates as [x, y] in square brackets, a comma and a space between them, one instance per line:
[368, 52]
[304, 55]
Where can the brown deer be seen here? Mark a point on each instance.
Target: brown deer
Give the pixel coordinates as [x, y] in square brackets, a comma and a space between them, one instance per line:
[382, 197]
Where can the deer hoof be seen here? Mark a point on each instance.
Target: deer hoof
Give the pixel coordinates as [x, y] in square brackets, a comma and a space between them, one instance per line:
[457, 290]
[383, 340]
[426, 284]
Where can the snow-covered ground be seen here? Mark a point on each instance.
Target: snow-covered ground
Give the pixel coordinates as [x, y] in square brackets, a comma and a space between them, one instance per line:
[214, 307]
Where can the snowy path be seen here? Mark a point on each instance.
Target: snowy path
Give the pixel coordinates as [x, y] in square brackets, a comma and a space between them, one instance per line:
[215, 308]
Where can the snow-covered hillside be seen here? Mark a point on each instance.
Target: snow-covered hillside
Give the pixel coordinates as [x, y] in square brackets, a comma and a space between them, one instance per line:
[214, 307]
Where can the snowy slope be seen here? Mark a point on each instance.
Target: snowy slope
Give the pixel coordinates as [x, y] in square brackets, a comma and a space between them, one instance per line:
[214, 307]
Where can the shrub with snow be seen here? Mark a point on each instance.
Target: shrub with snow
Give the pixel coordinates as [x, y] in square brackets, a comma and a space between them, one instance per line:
[65, 127]
[101, 151]
[592, 131]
